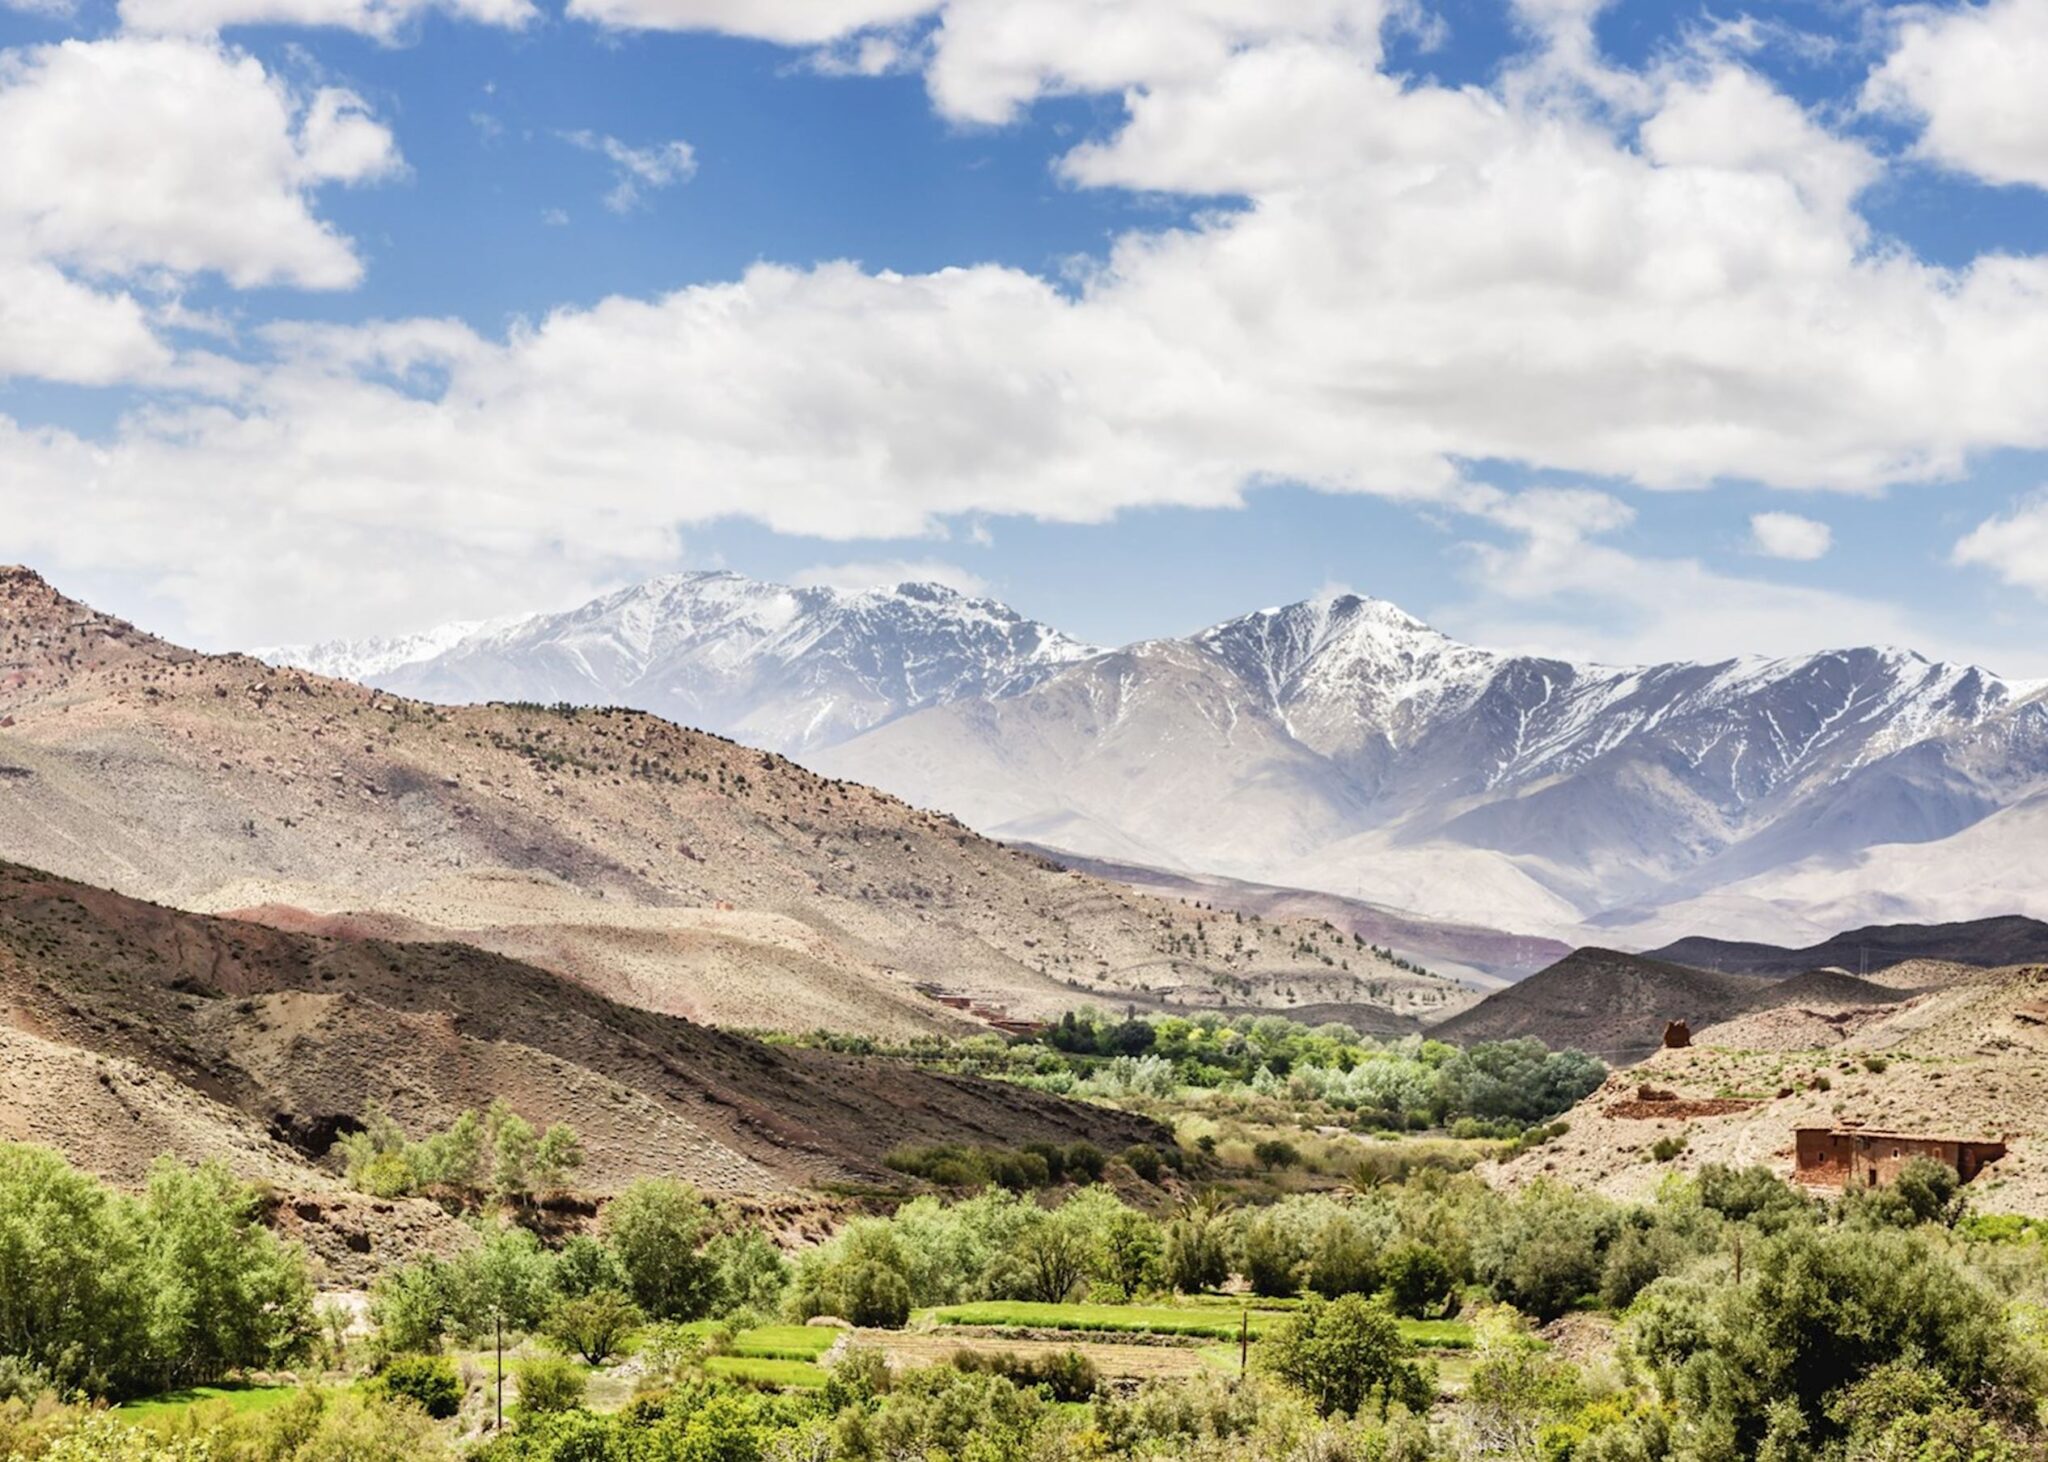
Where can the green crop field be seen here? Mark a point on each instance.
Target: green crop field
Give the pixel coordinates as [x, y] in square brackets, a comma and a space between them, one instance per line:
[233, 1397]
[766, 1369]
[1209, 1321]
[785, 1342]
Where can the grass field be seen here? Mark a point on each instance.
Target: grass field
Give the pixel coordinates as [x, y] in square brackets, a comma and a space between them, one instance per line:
[785, 1342]
[1207, 1322]
[231, 1395]
[766, 1369]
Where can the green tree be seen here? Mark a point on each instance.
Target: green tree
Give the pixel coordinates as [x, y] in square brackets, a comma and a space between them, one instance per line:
[658, 1228]
[1050, 1259]
[71, 1298]
[225, 1295]
[558, 1154]
[1196, 1256]
[1819, 1310]
[1271, 1256]
[1128, 1254]
[1342, 1258]
[1341, 1353]
[593, 1326]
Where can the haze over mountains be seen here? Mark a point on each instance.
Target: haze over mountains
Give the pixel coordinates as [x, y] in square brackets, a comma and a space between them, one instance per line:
[1342, 745]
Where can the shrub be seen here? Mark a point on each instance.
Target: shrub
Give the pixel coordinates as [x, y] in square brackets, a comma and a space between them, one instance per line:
[1666, 1148]
[1195, 1256]
[1342, 1259]
[1144, 1161]
[1085, 1162]
[1064, 1375]
[1275, 1153]
[1419, 1280]
[549, 1383]
[427, 1381]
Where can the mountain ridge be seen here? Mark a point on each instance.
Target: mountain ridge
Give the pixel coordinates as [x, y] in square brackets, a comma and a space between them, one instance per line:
[1342, 745]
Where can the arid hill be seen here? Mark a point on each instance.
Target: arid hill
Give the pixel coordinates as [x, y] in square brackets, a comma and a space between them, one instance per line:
[1481, 957]
[1966, 1059]
[134, 1029]
[1986, 943]
[669, 869]
[1612, 1004]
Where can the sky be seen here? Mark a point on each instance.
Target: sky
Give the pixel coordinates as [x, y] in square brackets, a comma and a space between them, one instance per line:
[1630, 331]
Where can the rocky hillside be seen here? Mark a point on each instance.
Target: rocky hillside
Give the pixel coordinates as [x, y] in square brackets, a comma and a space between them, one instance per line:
[670, 869]
[134, 1029]
[1966, 1057]
[1985, 943]
[1612, 1004]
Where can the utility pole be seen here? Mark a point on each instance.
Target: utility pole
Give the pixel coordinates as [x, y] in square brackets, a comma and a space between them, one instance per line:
[1244, 1341]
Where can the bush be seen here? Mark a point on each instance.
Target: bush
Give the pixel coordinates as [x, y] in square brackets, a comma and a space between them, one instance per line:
[1064, 1375]
[1144, 1161]
[427, 1381]
[1085, 1162]
[1342, 1259]
[1275, 1153]
[549, 1383]
[1666, 1148]
[1419, 1280]
[1196, 1258]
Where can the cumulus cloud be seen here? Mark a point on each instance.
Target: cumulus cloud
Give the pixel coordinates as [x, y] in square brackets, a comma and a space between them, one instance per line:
[1661, 280]
[133, 162]
[383, 20]
[1787, 535]
[1974, 75]
[888, 573]
[636, 169]
[131, 154]
[2014, 545]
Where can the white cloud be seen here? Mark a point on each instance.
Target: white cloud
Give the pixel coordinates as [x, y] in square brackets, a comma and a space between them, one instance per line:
[2013, 546]
[1664, 289]
[888, 573]
[384, 20]
[1787, 535]
[134, 154]
[1556, 589]
[791, 22]
[637, 168]
[1975, 74]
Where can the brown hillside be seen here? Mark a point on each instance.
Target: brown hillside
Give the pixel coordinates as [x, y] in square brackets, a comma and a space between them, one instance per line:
[1985, 943]
[133, 1029]
[1612, 1004]
[1968, 1059]
[668, 868]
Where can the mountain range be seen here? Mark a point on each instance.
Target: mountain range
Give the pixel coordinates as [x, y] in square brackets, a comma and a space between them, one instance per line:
[1342, 745]
[664, 868]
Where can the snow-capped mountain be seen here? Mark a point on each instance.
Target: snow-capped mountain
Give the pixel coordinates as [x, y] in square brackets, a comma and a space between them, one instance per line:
[788, 669]
[1341, 744]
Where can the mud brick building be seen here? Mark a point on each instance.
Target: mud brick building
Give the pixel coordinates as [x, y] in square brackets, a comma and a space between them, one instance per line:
[1836, 1157]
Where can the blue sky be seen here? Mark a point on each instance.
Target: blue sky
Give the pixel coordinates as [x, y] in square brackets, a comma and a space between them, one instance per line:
[1137, 313]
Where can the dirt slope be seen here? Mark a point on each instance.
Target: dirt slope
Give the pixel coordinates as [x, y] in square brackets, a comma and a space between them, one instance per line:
[666, 867]
[1968, 1059]
[1612, 1004]
[1984, 943]
[131, 1029]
